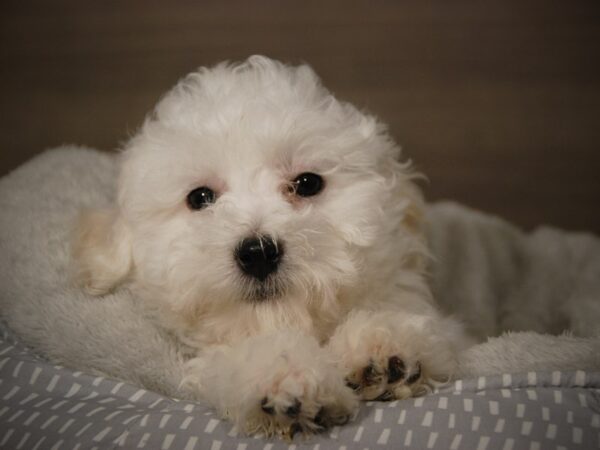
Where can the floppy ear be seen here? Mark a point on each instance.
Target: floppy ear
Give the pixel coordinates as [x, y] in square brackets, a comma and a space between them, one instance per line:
[101, 251]
[408, 196]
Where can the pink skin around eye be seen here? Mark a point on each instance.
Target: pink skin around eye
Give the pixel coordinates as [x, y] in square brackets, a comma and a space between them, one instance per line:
[287, 187]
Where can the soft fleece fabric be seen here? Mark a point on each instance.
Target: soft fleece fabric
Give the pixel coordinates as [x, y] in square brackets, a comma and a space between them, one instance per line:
[478, 260]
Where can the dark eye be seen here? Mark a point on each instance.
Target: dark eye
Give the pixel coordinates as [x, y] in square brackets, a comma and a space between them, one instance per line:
[308, 184]
[200, 198]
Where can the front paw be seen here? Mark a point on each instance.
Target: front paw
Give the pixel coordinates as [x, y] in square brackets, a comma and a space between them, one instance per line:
[300, 401]
[388, 356]
[278, 384]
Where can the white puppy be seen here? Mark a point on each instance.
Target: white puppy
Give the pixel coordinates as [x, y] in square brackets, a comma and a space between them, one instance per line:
[274, 230]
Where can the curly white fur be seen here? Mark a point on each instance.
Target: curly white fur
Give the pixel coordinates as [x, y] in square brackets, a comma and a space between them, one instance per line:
[354, 255]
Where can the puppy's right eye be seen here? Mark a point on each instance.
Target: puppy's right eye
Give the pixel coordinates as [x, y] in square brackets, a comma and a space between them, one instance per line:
[307, 184]
[200, 198]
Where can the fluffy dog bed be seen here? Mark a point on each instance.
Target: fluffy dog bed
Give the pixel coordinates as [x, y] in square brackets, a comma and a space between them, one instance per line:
[523, 390]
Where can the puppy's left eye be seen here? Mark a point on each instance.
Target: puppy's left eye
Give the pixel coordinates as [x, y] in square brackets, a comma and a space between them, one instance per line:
[307, 184]
[200, 198]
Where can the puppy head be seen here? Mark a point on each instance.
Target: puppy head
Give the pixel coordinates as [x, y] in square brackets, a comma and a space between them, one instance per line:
[251, 183]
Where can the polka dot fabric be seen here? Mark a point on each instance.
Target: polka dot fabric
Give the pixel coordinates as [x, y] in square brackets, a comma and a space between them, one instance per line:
[50, 407]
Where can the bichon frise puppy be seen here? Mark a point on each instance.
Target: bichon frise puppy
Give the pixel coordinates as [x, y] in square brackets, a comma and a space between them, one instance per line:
[275, 231]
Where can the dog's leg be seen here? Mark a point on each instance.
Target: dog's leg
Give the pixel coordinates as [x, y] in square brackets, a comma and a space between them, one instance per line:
[389, 355]
[282, 383]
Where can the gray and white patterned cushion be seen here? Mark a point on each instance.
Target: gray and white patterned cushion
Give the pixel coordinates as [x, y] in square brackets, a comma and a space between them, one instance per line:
[43, 406]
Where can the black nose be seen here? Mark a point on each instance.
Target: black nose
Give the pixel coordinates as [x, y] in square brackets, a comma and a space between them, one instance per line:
[258, 256]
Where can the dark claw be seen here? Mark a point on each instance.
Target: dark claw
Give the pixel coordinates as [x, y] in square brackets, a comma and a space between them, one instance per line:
[341, 420]
[415, 376]
[369, 375]
[295, 429]
[396, 369]
[385, 397]
[294, 410]
[324, 420]
[352, 385]
[267, 409]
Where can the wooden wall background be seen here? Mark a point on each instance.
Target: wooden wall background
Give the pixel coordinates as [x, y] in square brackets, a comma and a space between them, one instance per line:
[497, 101]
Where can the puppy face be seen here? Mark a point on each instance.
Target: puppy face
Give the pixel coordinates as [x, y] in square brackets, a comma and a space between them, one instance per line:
[252, 184]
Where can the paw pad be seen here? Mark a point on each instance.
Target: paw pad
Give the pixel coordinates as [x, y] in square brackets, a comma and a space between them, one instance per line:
[396, 369]
[294, 410]
[415, 376]
[386, 380]
[270, 410]
[372, 375]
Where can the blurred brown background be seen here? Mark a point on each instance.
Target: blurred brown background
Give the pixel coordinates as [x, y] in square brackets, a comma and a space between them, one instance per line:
[498, 101]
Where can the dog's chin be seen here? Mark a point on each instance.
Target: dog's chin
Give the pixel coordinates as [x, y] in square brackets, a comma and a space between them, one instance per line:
[270, 289]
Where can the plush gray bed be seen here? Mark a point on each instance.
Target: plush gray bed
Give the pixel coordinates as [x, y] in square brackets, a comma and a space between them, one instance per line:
[519, 391]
